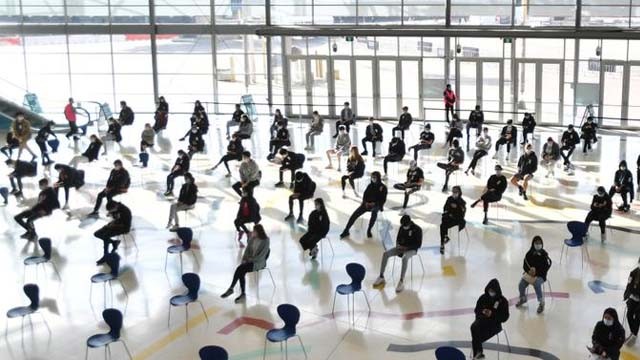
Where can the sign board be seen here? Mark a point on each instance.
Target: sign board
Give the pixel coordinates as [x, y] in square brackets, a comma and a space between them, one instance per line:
[249, 106]
[32, 103]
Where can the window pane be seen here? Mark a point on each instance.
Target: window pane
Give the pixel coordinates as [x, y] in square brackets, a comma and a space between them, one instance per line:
[546, 13]
[474, 12]
[428, 12]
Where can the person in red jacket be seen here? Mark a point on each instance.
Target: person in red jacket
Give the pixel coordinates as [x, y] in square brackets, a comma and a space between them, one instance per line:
[70, 115]
[449, 101]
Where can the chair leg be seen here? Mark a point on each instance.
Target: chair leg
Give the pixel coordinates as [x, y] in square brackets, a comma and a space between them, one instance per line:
[181, 271]
[203, 311]
[507, 339]
[302, 345]
[195, 258]
[264, 350]
[126, 348]
[55, 268]
[271, 276]
[24, 273]
[45, 322]
[86, 353]
[421, 264]
[367, 299]
[186, 316]
[165, 261]
[123, 288]
[331, 247]
[333, 308]
[109, 351]
[169, 317]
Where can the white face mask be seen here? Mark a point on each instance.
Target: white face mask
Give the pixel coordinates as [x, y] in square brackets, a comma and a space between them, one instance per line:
[492, 293]
[538, 247]
[456, 195]
[406, 227]
[318, 207]
[608, 322]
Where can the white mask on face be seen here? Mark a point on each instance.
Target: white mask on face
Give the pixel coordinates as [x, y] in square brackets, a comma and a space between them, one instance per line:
[538, 247]
[608, 322]
[318, 207]
[492, 293]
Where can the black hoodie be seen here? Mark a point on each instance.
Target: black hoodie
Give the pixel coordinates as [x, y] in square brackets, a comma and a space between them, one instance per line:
[411, 238]
[633, 285]
[537, 259]
[528, 163]
[624, 178]
[375, 193]
[188, 194]
[498, 304]
[602, 200]
[397, 148]
[305, 186]
[319, 223]
[608, 339]
[570, 138]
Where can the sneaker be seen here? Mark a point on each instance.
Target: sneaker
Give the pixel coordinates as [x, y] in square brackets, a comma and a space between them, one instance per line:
[495, 157]
[25, 235]
[168, 193]
[400, 286]
[288, 217]
[446, 239]
[101, 261]
[473, 172]
[339, 169]
[631, 340]
[227, 175]
[385, 177]
[355, 193]
[279, 184]
[344, 196]
[540, 308]
[364, 153]
[65, 207]
[291, 186]
[328, 167]
[344, 234]
[626, 208]
[240, 298]
[621, 208]
[369, 235]
[441, 249]
[445, 188]
[379, 282]
[520, 190]
[93, 214]
[168, 226]
[174, 228]
[524, 196]
[485, 221]
[314, 252]
[479, 356]
[18, 194]
[521, 302]
[14, 191]
[473, 204]
[227, 293]
[300, 220]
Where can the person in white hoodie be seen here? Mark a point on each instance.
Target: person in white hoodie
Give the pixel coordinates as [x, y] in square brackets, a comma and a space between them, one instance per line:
[341, 148]
[250, 175]
[315, 129]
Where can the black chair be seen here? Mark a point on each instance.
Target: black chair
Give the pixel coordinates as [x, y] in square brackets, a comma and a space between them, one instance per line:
[113, 318]
[186, 236]
[113, 261]
[192, 282]
[33, 293]
[213, 353]
[45, 245]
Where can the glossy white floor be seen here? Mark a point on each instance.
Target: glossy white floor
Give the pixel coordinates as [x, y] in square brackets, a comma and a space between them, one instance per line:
[434, 308]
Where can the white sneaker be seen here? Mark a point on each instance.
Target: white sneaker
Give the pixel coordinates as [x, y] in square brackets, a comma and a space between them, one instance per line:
[379, 282]
[400, 286]
[631, 340]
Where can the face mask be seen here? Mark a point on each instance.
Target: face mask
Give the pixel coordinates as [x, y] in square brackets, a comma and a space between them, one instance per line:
[528, 151]
[601, 194]
[492, 293]
[550, 144]
[406, 227]
[456, 195]
[538, 247]
[42, 187]
[623, 168]
[374, 180]
[608, 322]
[318, 207]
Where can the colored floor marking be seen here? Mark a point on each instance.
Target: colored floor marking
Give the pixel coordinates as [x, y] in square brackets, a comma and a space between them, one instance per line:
[245, 320]
[598, 286]
[174, 335]
[448, 270]
[467, 345]
[628, 356]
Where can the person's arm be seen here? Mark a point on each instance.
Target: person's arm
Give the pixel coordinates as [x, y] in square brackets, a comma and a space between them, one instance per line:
[502, 312]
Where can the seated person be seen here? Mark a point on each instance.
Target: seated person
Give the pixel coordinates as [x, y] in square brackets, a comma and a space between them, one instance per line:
[67, 177]
[118, 183]
[346, 119]
[254, 258]
[408, 243]
[147, 138]
[453, 214]
[355, 170]
[483, 145]
[341, 148]
[601, 209]
[281, 139]
[120, 225]
[180, 167]
[397, 150]
[11, 144]
[536, 265]
[476, 121]
[426, 140]
[454, 160]
[303, 189]
[250, 175]
[550, 155]
[404, 123]
[186, 201]
[373, 134]
[126, 115]
[496, 185]
[315, 128]
[196, 142]
[588, 135]
[508, 136]
[608, 336]
[21, 169]
[373, 199]
[235, 119]
[492, 310]
[47, 202]
[569, 141]
[290, 162]
[90, 154]
[317, 228]
[527, 166]
[248, 212]
[415, 179]
[234, 153]
[245, 129]
[528, 127]
[277, 117]
[114, 133]
[632, 298]
[455, 130]
[623, 185]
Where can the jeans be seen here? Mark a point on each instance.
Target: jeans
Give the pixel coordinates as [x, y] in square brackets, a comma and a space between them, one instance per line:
[237, 187]
[170, 179]
[173, 212]
[301, 200]
[106, 233]
[404, 254]
[408, 190]
[537, 286]
[350, 178]
[391, 158]
[600, 217]
[567, 157]
[15, 179]
[310, 137]
[373, 144]
[482, 330]
[633, 316]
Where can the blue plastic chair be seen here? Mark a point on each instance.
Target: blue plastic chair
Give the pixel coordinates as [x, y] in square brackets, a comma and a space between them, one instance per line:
[113, 318]
[291, 316]
[186, 236]
[578, 232]
[449, 353]
[213, 353]
[113, 261]
[33, 293]
[45, 245]
[4, 192]
[192, 282]
[357, 273]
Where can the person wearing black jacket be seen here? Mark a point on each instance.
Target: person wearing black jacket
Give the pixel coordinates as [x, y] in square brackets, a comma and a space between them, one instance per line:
[601, 209]
[415, 179]
[426, 140]
[373, 135]
[550, 155]
[248, 211]
[234, 152]
[496, 185]
[455, 130]
[281, 139]
[161, 115]
[373, 200]
[67, 177]
[455, 159]
[492, 310]
[290, 161]
[11, 143]
[114, 133]
[453, 214]
[120, 225]
[235, 119]
[408, 243]
[180, 167]
[277, 117]
[528, 127]
[509, 136]
[41, 140]
[623, 185]
[196, 142]
[303, 189]
[536, 265]
[21, 169]
[126, 116]
[47, 202]
[608, 336]
[317, 228]
[527, 166]
[588, 134]
[346, 119]
[569, 141]
[483, 146]
[90, 154]
[404, 123]
[186, 201]
[197, 107]
[397, 150]
[632, 298]
[118, 183]
[476, 121]
[355, 170]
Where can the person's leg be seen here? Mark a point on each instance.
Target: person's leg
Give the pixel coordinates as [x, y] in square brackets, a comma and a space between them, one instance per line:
[356, 214]
[406, 199]
[570, 153]
[170, 178]
[537, 286]
[291, 204]
[19, 182]
[307, 137]
[447, 174]
[12, 180]
[329, 152]
[385, 258]
[476, 344]
[173, 209]
[384, 163]
[225, 160]
[240, 272]
[236, 187]
[343, 181]
[633, 316]
[66, 194]
[353, 185]
[20, 218]
[101, 195]
[364, 145]
[373, 218]
[522, 287]
[623, 195]
[301, 204]
[603, 225]
[405, 262]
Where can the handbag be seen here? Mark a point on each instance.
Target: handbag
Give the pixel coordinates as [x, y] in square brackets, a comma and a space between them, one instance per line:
[54, 143]
[528, 278]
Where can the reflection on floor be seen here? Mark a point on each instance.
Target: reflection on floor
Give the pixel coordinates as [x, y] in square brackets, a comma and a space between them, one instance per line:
[435, 308]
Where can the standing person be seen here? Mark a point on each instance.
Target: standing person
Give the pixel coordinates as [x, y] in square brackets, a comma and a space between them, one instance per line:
[67, 177]
[608, 336]
[147, 138]
[281, 139]
[277, 117]
[21, 169]
[317, 228]
[234, 152]
[303, 189]
[21, 129]
[341, 148]
[186, 201]
[408, 243]
[528, 126]
[12, 143]
[509, 136]
[476, 121]
[47, 202]
[245, 129]
[404, 122]
[248, 211]
[632, 298]
[496, 186]
[483, 145]
[70, 115]
[373, 200]
[118, 183]
[355, 170]
[415, 180]
[426, 140]
[250, 175]
[346, 119]
[126, 115]
[161, 116]
[290, 162]
[453, 214]
[373, 134]
[90, 154]
[492, 310]
[527, 166]
[396, 153]
[180, 167]
[120, 225]
[623, 185]
[601, 209]
[536, 265]
[254, 258]
[41, 140]
[315, 128]
[550, 155]
[235, 119]
[455, 158]
[569, 141]
[588, 135]
[449, 101]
